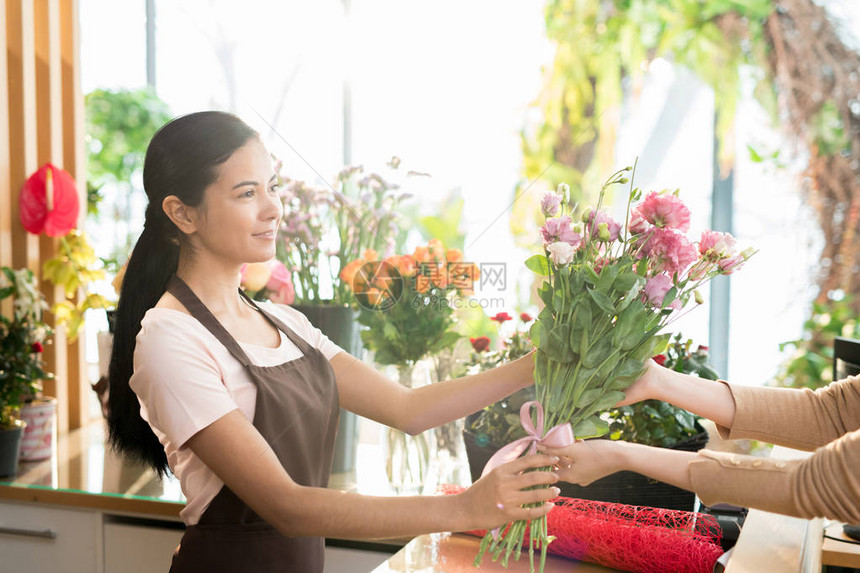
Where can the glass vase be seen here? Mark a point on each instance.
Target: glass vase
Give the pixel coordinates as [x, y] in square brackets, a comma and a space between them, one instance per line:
[450, 463]
[407, 458]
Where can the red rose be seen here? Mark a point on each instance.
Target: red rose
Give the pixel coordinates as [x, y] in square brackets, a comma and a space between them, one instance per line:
[702, 349]
[501, 317]
[480, 344]
[660, 359]
[36, 347]
[526, 317]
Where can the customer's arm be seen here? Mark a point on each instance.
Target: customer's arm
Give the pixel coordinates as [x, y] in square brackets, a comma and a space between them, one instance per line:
[826, 484]
[796, 418]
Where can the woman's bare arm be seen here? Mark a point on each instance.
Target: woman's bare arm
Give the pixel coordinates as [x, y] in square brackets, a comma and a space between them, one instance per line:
[369, 393]
[236, 452]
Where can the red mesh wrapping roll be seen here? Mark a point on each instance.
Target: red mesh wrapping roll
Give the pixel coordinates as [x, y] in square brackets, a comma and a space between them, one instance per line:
[631, 538]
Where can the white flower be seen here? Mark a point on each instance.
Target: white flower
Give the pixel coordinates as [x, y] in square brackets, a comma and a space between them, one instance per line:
[561, 253]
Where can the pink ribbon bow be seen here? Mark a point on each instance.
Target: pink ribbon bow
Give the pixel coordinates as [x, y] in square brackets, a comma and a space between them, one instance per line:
[557, 437]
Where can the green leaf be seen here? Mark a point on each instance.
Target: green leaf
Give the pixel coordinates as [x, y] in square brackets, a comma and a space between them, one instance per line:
[602, 301]
[591, 427]
[447, 340]
[545, 294]
[539, 265]
[582, 316]
[630, 326]
[588, 275]
[597, 352]
[558, 343]
[608, 400]
[588, 397]
[537, 334]
[607, 278]
[670, 297]
[628, 372]
[626, 281]
[389, 331]
[754, 155]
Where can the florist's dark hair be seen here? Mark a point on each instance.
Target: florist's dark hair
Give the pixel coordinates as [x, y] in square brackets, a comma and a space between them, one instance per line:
[182, 160]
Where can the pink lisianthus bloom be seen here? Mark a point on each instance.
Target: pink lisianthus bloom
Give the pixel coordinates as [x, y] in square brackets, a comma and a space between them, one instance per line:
[550, 203]
[561, 253]
[730, 265]
[715, 246]
[609, 232]
[664, 210]
[559, 229]
[655, 291]
[638, 224]
[669, 251]
[280, 284]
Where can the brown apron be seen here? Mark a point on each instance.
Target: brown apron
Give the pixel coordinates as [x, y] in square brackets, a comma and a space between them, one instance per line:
[297, 413]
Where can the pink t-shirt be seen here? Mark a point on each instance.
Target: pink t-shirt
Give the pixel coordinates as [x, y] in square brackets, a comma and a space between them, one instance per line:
[185, 379]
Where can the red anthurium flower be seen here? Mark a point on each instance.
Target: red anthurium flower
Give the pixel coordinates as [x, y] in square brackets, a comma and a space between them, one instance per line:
[501, 317]
[480, 344]
[37, 347]
[526, 317]
[49, 202]
[660, 359]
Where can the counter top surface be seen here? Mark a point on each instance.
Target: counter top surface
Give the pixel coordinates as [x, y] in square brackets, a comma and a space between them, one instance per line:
[454, 553]
[85, 472]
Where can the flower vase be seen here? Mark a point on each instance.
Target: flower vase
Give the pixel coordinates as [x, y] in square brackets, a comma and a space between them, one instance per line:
[450, 464]
[407, 458]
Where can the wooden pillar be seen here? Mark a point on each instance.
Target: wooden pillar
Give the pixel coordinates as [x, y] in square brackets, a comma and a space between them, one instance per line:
[49, 148]
[20, 50]
[74, 161]
[5, 182]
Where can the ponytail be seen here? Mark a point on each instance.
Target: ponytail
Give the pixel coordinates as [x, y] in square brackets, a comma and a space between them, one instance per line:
[153, 261]
[181, 160]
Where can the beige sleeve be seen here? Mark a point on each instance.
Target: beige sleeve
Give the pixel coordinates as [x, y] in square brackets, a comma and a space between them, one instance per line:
[826, 484]
[795, 418]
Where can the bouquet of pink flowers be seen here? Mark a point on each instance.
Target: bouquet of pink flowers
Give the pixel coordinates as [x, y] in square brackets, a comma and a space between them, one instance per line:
[610, 288]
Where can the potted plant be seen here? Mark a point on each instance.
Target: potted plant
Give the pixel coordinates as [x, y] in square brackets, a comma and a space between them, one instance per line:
[323, 229]
[407, 304]
[22, 337]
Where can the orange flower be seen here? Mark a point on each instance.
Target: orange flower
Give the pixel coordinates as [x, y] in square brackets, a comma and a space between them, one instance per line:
[370, 255]
[437, 249]
[421, 254]
[347, 275]
[454, 255]
[405, 265]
